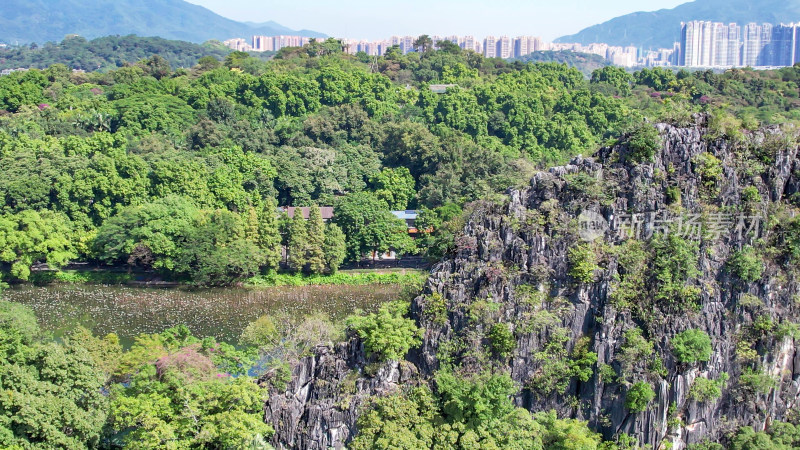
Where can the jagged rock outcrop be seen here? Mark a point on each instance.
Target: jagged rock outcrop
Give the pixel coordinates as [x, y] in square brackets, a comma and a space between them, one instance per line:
[512, 265]
[319, 406]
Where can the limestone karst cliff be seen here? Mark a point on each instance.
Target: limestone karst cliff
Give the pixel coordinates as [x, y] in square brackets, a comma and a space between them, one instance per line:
[633, 259]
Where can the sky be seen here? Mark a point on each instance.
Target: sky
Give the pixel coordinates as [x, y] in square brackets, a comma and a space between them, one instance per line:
[374, 19]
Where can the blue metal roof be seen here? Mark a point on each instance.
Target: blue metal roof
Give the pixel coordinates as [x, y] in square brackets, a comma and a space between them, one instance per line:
[408, 214]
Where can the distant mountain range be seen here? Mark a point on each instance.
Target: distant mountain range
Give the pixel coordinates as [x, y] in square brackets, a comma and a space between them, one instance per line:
[25, 21]
[660, 29]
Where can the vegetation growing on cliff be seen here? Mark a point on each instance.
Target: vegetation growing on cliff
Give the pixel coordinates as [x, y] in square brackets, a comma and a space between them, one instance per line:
[181, 171]
[315, 127]
[387, 334]
[466, 413]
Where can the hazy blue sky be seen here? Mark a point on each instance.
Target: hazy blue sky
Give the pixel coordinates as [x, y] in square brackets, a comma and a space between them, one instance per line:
[375, 19]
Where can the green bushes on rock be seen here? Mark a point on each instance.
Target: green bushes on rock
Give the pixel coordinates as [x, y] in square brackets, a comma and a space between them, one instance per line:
[746, 265]
[583, 263]
[639, 395]
[387, 334]
[756, 380]
[465, 412]
[704, 389]
[691, 346]
[674, 265]
[501, 340]
[643, 143]
[709, 167]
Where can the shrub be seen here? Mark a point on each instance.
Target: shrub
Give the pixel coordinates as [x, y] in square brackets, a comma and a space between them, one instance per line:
[632, 266]
[261, 332]
[750, 194]
[481, 398]
[643, 143]
[746, 265]
[723, 124]
[558, 367]
[634, 350]
[582, 360]
[402, 420]
[787, 329]
[763, 325]
[748, 439]
[673, 195]
[586, 184]
[583, 263]
[709, 167]
[290, 335]
[639, 396]
[745, 351]
[704, 389]
[785, 433]
[674, 264]
[387, 333]
[750, 301]
[756, 380]
[554, 373]
[501, 340]
[691, 346]
[606, 373]
[656, 366]
[779, 436]
[705, 445]
[562, 433]
[436, 308]
[791, 233]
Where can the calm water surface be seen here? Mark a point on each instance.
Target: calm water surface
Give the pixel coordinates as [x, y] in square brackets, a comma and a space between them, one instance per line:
[221, 313]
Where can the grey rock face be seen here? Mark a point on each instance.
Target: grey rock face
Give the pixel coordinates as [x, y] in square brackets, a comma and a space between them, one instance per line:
[319, 407]
[510, 253]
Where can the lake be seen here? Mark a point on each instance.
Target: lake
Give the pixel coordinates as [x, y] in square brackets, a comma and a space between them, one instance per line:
[221, 313]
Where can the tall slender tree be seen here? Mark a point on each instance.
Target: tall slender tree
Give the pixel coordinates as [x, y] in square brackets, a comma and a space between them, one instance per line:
[269, 236]
[335, 247]
[315, 257]
[251, 225]
[284, 229]
[298, 242]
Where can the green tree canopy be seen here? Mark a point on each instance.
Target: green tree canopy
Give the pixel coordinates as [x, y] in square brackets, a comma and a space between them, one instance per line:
[52, 392]
[387, 333]
[370, 227]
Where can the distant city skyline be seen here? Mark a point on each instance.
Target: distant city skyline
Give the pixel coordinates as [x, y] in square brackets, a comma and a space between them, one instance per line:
[361, 19]
[491, 47]
[716, 44]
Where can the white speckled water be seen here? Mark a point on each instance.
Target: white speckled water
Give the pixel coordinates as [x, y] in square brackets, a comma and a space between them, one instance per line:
[221, 313]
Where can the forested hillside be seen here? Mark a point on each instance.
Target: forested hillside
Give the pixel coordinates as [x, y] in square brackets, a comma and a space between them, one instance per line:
[40, 21]
[523, 336]
[148, 166]
[106, 53]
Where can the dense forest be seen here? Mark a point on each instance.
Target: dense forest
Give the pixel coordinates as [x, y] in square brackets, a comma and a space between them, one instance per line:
[110, 52]
[150, 167]
[182, 172]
